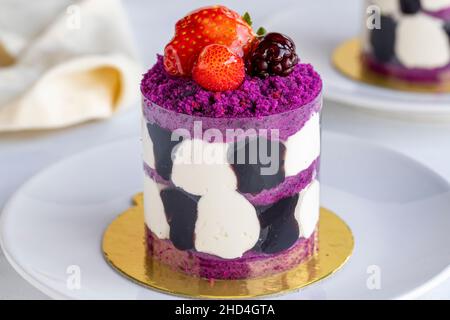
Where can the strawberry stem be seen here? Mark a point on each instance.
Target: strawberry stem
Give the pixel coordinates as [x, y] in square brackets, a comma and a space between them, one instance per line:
[261, 31]
[246, 17]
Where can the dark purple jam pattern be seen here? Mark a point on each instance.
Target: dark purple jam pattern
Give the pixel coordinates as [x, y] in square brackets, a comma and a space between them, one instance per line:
[447, 29]
[383, 40]
[162, 149]
[181, 213]
[248, 166]
[279, 228]
[410, 6]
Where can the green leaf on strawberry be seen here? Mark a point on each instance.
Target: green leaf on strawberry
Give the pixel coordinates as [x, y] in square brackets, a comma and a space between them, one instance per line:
[261, 31]
[246, 17]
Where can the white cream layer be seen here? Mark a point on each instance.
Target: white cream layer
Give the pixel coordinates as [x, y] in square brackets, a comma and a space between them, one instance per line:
[387, 7]
[200, 167]
[421, 42]
[227, 225]
[307, 210]
[155, 217]
[303, 147]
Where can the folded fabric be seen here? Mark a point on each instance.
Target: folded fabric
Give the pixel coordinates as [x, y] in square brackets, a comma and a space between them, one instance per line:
[63, 62]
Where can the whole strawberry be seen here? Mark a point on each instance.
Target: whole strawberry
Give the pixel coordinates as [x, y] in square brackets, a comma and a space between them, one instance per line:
[205, 26]
[218, 69]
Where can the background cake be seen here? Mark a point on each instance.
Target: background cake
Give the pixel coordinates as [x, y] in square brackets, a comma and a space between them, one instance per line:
[413, 41]
[246, 102]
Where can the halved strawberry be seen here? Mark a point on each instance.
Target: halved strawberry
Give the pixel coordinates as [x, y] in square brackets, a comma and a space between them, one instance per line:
[202, 27]
[218, 69]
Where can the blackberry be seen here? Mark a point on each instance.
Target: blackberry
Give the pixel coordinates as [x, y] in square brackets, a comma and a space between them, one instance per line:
[273, 55]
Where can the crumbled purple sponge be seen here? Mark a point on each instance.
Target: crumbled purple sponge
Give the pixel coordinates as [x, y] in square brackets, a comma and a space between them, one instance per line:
[250, 265]
[255, 97]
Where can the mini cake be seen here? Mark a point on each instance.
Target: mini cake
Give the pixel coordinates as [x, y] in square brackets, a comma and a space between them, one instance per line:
[412, 40]
[231, 148]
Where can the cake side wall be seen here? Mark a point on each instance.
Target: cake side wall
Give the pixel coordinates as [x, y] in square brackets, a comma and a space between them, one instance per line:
[266, 223]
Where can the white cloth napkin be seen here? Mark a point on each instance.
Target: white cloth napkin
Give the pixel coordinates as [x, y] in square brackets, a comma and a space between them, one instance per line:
[63, 62]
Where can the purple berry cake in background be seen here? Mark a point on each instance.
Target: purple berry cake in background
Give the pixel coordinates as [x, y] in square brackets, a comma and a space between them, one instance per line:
[231, 149]
[413, 41]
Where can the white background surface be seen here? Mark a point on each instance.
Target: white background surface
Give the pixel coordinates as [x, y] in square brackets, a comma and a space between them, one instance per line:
[23, 154]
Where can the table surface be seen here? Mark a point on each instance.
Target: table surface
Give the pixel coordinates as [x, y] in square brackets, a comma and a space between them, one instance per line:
[26, 153]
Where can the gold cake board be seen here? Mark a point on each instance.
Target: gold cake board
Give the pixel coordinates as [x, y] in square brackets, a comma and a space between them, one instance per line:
[124, 247]
[347, 60]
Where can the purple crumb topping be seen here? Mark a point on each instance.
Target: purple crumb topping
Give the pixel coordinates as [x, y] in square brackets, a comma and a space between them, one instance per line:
[254, 98]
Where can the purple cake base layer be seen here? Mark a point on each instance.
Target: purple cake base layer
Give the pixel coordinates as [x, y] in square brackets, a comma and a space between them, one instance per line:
[289, 187]
[426, 76]
[250, 265]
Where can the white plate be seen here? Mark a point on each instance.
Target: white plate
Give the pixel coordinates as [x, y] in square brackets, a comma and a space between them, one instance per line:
[317, 28]
[397, 209]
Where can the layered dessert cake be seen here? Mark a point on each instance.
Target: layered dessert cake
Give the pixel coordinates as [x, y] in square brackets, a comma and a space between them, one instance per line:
[231, 148]
[408, 39]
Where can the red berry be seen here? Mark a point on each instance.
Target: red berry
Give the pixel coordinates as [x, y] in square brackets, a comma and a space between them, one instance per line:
[205, 26]
[218, 69]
